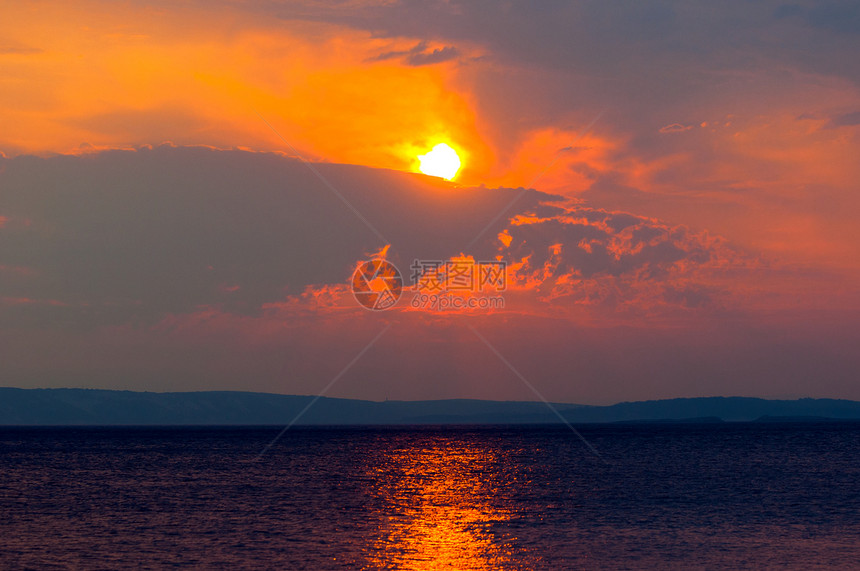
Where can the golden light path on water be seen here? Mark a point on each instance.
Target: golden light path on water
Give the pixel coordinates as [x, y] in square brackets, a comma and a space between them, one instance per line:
[445, 505]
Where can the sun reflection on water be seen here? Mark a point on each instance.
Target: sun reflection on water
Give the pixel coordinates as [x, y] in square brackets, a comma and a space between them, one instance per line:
[446, 510]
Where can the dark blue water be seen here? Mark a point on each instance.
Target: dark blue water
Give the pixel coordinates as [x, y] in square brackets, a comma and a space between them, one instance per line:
[670, 496]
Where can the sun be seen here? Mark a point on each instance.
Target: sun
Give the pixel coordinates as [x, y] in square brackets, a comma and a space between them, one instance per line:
[442, 161]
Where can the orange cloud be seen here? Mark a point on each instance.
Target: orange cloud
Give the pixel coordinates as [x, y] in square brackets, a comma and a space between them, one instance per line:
[92, 75]
[564, 161]
[135, 75]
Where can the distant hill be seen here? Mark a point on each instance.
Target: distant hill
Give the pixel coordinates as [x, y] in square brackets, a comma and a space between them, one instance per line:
[105, 407]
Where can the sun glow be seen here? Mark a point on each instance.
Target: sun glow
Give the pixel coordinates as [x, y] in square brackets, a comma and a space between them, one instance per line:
[442, 161]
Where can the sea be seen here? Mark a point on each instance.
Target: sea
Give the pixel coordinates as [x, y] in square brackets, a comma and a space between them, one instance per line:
[755, 495]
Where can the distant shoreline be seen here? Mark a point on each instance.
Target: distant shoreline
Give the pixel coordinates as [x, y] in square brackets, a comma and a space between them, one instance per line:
[794, 421]
[97, 407]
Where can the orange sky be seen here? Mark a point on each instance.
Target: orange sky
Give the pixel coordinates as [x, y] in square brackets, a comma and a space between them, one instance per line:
[734, 148]
[773, 175]
[86, 76]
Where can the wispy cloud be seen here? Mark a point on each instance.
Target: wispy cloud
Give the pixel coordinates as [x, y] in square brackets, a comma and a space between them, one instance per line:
[421, 54]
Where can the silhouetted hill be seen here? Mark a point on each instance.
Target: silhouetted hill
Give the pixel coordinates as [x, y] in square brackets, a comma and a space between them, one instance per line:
[105, 407]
